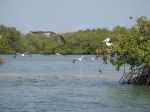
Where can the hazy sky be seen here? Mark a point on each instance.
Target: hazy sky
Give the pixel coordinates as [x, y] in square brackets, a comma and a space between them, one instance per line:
[70, 15]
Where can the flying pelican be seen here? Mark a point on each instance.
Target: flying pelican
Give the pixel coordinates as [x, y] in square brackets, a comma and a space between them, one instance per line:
[22, 54]
[60, 39]
[107, 41]
[78, 59]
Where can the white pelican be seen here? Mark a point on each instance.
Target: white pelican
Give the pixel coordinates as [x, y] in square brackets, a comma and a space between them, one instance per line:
[109, 44]
[60, 39]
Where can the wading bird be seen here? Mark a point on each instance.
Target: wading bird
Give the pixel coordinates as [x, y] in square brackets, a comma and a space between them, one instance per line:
[60, 38]
[107, 41]
[22, 54]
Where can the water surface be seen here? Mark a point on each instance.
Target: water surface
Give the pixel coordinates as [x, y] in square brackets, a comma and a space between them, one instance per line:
[54, 84]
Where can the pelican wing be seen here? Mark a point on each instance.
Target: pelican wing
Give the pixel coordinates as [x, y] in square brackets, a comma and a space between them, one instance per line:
[61, 41]
[16, 54]
[28, 54]
[74, 60]
[39, 32]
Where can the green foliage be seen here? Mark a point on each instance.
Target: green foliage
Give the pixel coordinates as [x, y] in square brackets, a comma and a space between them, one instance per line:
[10, 39]
[87, 41]
[132, 48]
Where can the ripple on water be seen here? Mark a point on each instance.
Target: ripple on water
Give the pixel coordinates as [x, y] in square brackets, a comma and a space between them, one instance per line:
[49, 87]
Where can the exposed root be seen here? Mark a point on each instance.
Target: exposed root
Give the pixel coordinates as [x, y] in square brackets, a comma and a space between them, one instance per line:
[138, 76]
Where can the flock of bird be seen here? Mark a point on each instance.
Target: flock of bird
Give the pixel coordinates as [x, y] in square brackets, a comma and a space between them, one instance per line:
[60, 37]
[61, 41]
[74, 60]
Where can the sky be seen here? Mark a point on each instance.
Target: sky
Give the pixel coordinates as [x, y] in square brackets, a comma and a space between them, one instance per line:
[70, 15]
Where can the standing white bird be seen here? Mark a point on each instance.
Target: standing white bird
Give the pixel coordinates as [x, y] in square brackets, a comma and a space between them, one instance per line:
[107, 41]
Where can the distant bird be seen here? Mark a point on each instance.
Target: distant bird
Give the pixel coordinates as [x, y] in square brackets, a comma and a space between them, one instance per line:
[92, 59]
[78, 59]
[107, 41]
[100, 71]
[60, 39]
[130, 17]
[57, 54]
[22, 54]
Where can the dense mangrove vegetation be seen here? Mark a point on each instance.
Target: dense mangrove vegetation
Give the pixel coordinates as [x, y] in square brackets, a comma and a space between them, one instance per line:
[131, 46]
[87, 41]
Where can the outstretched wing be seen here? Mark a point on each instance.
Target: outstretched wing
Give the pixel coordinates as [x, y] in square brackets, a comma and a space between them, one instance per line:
[16, 54]
[61, 41]
[74, 60]
[28, 54]
[39, 32]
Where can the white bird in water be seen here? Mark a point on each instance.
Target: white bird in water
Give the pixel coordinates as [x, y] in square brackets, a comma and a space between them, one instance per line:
[60, 39]
[58, 54]
[22, 54]
[107, 41]
[92, 59]
[78, 59]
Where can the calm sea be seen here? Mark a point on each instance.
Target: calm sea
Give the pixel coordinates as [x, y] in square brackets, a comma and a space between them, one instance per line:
[54, 84]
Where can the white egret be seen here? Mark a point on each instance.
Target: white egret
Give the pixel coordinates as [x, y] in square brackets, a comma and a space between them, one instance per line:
[107, 41]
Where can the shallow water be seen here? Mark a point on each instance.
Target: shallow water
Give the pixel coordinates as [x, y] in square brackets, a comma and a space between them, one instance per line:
[54, 84]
